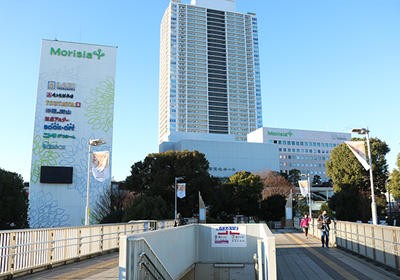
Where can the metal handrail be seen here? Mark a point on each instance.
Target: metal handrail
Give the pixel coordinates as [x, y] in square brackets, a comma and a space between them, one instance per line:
[148, 270]
[151, 250]
[28, 255]
[142, 255]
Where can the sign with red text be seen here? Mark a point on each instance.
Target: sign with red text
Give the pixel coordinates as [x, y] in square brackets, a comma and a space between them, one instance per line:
[228, 236]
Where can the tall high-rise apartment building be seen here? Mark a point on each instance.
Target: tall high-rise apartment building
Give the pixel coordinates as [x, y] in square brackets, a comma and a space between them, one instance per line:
[209, 70]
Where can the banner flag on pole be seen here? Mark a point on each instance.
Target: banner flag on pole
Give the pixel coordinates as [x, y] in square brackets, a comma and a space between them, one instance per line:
[101, 168]
[358, 149]
[303, 187]
[181, 190]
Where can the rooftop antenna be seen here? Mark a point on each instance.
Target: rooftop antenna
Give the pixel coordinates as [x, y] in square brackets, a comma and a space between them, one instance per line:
[80, 34]
[55, 39]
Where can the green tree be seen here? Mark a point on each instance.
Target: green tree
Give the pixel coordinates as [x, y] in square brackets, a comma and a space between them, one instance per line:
[13, 201]
[351, 182]
[394, 183]
[293, 176]
[273, 208]
[316, 180]
[147, 208]
[329, 211]
[242, 193]
[155, 176]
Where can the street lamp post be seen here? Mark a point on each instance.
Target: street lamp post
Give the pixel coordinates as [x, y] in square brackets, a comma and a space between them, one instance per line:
[363, 131]
[92, 142]
[390, 204]
[309, 192]
[176, 179]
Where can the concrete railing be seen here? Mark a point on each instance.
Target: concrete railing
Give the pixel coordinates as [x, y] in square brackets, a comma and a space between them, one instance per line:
[25, 251]
[376, 242]
[194, 252]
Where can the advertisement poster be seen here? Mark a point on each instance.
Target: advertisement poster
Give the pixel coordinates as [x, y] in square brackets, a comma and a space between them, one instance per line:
[74, 104]
[229, 236]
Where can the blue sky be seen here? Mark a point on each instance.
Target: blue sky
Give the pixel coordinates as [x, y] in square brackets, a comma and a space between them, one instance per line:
[325, 65]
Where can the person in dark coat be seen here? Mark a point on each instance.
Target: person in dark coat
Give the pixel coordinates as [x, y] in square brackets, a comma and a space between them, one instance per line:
[179, 221]
[323, 224]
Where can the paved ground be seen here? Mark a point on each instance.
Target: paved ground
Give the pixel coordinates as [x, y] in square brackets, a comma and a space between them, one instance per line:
[297, 258]
[301, 258]
[99, 268]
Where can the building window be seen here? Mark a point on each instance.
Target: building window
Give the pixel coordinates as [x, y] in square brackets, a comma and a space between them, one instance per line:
[306, 143]
[280, 149]
[284, 149]
[293, 143]
[284, 142]
[289, 157]
[318, 144]
[297, 143]
[279, 142]
[301, 143]
[302, 150]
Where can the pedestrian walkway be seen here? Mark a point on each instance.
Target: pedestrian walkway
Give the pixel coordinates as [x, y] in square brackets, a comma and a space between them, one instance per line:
[99, 268]
[301, 258]
[297, 258]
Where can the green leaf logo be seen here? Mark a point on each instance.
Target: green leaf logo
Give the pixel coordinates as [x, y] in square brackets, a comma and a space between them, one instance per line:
[98, 53]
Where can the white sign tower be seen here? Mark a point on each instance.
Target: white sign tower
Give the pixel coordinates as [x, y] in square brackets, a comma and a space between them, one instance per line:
[75, 103]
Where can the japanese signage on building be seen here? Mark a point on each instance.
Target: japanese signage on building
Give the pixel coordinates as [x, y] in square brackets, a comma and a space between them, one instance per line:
[75, 103]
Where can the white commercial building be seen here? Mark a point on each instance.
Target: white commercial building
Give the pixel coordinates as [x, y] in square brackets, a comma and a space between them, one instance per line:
[225, 155]
[209, 70]
[75, 103]
[305, 150]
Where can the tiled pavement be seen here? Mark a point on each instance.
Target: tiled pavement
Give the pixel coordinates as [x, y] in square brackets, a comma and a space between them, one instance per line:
[297, 258]
[301, 258]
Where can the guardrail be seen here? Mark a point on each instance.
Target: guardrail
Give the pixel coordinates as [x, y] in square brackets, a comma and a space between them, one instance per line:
[379, 243]
[29, 250]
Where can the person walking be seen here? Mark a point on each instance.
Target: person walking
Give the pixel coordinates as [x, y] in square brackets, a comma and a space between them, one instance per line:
[179, 221]
[323, 224]
[305, 222]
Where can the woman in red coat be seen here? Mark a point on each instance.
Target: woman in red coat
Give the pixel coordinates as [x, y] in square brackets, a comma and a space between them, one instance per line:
[305, 222]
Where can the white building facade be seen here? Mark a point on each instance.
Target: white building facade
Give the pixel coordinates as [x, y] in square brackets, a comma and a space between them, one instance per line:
[75, 103]
[304, 150]
[225, 155]
[209, 70]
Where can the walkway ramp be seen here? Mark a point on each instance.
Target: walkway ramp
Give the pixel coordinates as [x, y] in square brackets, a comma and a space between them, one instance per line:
[301, 258]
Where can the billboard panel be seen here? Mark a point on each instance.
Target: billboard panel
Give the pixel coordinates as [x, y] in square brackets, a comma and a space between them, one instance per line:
[75, 103]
